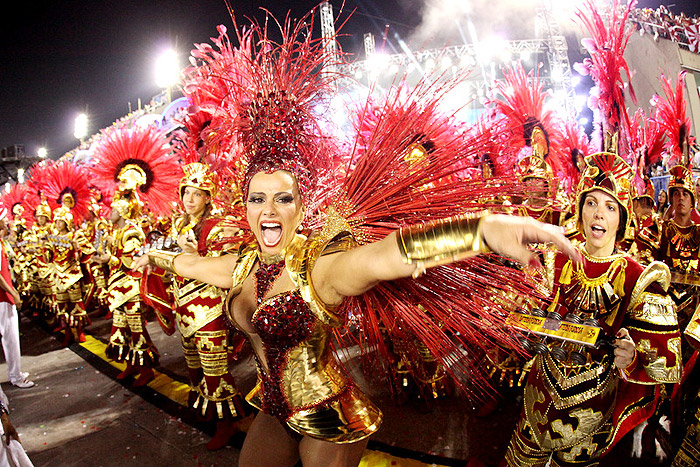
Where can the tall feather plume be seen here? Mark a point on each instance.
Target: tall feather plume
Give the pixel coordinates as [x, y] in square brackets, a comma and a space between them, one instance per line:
[520, 100]
[606, 47]
[671, 115]
[18, 195]
[646, 144]
[148, 148]
[574, 144]
[64, 177]
[409, 169]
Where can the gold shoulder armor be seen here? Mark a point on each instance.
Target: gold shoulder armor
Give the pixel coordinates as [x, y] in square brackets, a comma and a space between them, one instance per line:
[654, 272]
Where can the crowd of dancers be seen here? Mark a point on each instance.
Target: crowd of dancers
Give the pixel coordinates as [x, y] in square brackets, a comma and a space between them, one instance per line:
[422, 238]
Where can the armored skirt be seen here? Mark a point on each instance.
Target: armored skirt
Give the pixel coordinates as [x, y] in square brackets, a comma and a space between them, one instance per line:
[579, 409]
[299, 380]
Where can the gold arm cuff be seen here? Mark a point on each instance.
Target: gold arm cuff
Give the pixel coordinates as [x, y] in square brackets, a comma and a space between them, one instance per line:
[163, 259]
[441, 242]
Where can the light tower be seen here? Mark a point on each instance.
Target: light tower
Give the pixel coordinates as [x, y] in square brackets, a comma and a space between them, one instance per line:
[558, 55]
[328, 34]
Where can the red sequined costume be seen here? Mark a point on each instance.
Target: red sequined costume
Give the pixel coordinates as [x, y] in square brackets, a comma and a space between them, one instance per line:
[315, 400]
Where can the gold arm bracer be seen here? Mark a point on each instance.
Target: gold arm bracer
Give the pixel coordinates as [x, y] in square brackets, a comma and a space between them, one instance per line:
[441, 242]
[163, 259]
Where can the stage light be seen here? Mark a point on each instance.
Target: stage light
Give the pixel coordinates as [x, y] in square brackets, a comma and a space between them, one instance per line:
[575, 80]
[445, 63]
[583, 121]
[580, 101]
[81, 127]
[167, 69]
[42, 153]
[20, 175]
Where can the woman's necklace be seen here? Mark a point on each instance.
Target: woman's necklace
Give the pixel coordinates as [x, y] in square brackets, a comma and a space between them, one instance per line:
[269, 269]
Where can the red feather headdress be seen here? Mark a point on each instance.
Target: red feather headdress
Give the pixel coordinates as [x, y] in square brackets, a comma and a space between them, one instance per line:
[671, 115]
[606, 48]
[63, 180]
[148, 150]
[16, 201]
[574, 144]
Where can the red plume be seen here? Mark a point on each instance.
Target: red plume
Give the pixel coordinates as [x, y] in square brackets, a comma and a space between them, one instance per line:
[671, 115]
[606, 48]
[18, 194]
[64, 177]
[149, 149]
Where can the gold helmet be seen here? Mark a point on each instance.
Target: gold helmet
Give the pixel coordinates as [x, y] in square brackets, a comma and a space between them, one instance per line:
[609, 173]
[127, 204]
[43, 209]
[681, 177]
[198, 175]
[64, 214]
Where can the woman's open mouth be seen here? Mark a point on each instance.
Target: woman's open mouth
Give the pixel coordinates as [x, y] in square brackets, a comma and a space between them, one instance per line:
[271, 233]
[597, 231]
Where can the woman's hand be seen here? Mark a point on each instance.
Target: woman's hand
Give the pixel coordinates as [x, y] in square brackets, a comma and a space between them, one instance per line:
[510, 235]
[140, 263]
[624, 349]
[187, 243]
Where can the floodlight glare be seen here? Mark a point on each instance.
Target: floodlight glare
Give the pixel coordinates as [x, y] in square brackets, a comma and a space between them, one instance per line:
[42, 153]
[167, 69]
[81, 126]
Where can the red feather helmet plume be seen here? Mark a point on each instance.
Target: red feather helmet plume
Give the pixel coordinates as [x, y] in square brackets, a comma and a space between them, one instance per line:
[671, 115]
[143, 152]
[15, 200]
[647, 145]
[573, 150]
[66, 187]
[523, 103]
[606, 48]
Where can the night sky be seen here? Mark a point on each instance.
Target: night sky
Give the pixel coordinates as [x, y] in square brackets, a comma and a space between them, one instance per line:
[95, 56]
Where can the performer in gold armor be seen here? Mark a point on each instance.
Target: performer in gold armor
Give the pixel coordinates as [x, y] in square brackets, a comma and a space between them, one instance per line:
[129, 340]
[38, 247]
[576, 409]
[66, 249]
[198, 313]
[95, 274]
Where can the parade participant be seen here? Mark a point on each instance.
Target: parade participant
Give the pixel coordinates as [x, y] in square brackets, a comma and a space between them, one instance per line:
[66, 247]
[580, 401]
[287, 286]
[20, 222]
[44, 277]
[198, 313]
[96, 230]
[633, 307]
[662, 204]
[66, 185]
[136, 163]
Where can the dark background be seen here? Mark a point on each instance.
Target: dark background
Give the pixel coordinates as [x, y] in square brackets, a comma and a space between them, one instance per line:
[62, 58]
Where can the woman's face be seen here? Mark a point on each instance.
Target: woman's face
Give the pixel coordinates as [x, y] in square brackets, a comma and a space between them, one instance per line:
[274, 209]
[600, 215]
[662, 198]
[194, 200]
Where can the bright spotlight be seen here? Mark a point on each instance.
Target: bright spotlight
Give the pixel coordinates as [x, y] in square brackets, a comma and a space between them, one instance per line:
[20, 175]
[583, 121]
[167, 69]
[575, 80]
[491, 48]
[429, 65]
[42, 153]
[580, 101]
[81, 126]
[445, 63]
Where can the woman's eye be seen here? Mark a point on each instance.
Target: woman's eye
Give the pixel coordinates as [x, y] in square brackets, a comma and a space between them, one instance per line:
[286, 199]
[255, 200]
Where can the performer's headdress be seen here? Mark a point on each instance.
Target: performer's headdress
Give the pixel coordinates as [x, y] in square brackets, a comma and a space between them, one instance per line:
[66, 186]
[607, 172]
[646, 145]
[135, 164]
[15, 199]
[43, 209]
[198, 175]
[671, 115]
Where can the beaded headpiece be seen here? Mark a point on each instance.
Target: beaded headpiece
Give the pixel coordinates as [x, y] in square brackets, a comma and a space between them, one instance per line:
[43, 209]
[63, 214]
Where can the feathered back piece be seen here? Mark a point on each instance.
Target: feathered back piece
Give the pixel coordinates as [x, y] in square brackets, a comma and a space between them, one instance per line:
[408, 170]
[15, 200]
[520, 100]
[606, 47]
[274, 89]
[671, 115]
[646, 139]
[67, 185]
[142, 154]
